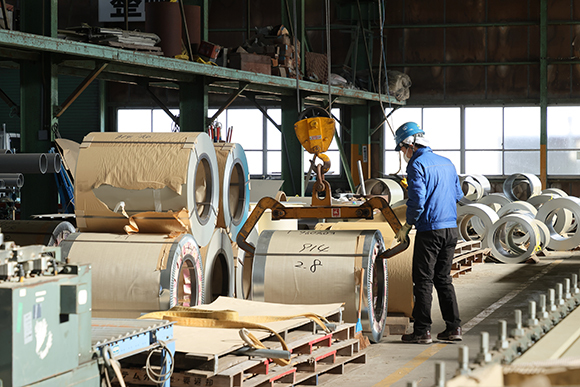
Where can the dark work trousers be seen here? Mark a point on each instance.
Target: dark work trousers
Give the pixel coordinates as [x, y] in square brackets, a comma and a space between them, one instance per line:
[432, 259]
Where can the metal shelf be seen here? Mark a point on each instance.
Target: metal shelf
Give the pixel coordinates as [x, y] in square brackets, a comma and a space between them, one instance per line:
[77, 58]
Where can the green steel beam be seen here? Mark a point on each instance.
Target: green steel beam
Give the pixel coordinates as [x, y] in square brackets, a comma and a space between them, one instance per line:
[169, 68]
[543, 92]
[292, 163]
[193, 103]
[38, 98]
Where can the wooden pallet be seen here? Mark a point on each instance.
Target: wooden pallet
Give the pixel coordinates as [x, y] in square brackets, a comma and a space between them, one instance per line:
[467, 254]
[313, 354]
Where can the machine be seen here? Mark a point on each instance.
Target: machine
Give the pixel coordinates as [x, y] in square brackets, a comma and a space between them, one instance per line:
[47, 335]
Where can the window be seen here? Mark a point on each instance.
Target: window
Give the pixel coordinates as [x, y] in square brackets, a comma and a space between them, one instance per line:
[443, 134]
[144, 120]
[563, 140]
[496, 140]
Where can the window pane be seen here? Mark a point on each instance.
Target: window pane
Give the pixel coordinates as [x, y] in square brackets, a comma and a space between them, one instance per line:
[337, 127]
[392, 163]
[398, 118]
[162, 122]
[454, 156]
[248, 128]
[563, 127]
[442, 127]
[483, 128]
[274, 162]
[255, 162]
[563, 162]
[521, 128]
[522, 162]
[134, 120]
[274, 136]
[483, 163]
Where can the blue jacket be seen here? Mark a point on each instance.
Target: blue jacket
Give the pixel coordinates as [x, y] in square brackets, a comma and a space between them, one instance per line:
[433, 191]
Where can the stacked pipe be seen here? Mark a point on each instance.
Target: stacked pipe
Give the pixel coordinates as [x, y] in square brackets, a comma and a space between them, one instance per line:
[519, 222]
[157, 213]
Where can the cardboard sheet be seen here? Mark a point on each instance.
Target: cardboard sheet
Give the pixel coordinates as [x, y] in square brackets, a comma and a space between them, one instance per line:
[219, 341]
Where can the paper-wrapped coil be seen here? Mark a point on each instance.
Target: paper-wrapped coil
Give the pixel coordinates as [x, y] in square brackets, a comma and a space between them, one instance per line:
[382, 187]
[36, 232]
[218, 266]
[500, 238]
[546, 215]
[305, 267]
[234, 182]
[134, 274]
[467, 229]
[522, 186]
[165, 182]
[243, 267]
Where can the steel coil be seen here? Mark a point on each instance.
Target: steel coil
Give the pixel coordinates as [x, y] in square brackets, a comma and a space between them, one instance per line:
[533, 183]
[135, 274]
[546, 214]
[36, 232]
[218, 266]
[467, 213]
[562, 221]
[148, 182]
[306, 267]
[503, 249]
[382, 187]
[234, 178]
[517, 206]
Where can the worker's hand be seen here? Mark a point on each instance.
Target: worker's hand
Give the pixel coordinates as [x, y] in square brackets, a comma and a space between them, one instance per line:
[403, 234]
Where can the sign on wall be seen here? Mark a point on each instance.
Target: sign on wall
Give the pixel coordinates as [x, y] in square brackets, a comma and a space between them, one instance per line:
[114, 10]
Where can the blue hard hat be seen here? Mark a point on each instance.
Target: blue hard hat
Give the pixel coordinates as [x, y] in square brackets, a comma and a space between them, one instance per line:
[408, 129]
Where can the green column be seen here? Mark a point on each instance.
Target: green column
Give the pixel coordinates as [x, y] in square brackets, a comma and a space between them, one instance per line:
[543, 92]
[292, 164]
[360, 141]
[38, 98]
[193, 103]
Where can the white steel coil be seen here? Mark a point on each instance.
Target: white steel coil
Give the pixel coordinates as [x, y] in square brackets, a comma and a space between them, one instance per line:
[549, 210]
[234, 179]
[533, 184]
[500, 238]
[465, 216]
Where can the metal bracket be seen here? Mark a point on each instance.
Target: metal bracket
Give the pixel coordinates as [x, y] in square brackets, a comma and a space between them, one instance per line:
[14, 109]
[364, 211]
[99, 67]
[230, 100]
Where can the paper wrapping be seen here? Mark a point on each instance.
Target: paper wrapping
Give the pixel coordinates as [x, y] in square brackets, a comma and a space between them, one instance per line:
[36, 232]
[134, 274]
[399, 267]
[218, 266]
[305, 266]
[119, 176]
[234, 183]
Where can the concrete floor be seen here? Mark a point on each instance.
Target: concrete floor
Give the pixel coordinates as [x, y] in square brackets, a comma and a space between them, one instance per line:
[489, 293]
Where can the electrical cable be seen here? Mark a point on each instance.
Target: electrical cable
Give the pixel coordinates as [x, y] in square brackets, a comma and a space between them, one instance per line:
[328, 55]
[160, 378]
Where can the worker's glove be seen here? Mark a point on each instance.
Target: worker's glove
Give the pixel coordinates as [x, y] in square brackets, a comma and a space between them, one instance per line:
[403, 233]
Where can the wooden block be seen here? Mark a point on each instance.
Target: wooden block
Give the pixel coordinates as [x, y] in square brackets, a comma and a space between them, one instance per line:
[251, 62]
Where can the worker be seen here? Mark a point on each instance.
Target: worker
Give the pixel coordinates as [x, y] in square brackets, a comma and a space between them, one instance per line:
[433, 193]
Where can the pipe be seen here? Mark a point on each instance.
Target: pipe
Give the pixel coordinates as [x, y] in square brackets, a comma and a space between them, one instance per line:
[54, 163]
[12, 179]
[24, 163]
